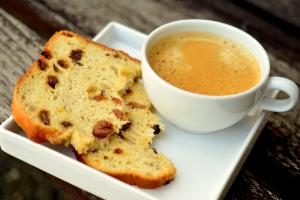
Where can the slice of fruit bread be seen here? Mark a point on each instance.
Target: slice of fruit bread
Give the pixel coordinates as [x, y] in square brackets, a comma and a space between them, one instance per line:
[72, 94]
[129, 156]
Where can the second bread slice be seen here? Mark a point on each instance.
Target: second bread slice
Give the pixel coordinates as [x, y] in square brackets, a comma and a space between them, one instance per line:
[129, 156]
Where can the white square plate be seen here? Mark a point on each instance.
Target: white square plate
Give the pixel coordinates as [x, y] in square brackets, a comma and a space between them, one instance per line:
[206, 164]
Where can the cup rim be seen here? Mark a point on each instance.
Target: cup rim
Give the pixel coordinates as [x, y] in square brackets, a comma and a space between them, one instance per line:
[146, 65]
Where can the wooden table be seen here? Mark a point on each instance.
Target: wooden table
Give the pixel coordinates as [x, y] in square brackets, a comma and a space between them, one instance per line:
[272, 170]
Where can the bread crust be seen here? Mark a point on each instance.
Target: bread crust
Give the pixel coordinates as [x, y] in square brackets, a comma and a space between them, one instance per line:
[34, 130]
[139, 180]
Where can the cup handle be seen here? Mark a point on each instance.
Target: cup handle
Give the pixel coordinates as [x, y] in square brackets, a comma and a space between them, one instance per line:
[278, 105]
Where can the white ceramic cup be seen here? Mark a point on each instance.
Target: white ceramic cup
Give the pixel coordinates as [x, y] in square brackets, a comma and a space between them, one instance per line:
[198, 113]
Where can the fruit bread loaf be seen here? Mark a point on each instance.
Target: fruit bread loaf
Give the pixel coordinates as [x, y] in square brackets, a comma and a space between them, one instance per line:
[129, 156]
[72, 94]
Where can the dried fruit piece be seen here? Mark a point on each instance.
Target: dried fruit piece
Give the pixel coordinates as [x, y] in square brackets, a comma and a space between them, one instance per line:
[102, 129]
[118, 151]
[100, 97]
[76, 55]
[66, 124]
[128, 91]
[125, 126]
[156, 129]
[133, 104]
[119, 114]
[52, 81]
[47, 54]
[116, 100]
[42, 64]
[44, 117]
[63, 64]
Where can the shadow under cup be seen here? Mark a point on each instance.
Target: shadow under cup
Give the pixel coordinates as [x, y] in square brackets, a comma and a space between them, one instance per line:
[199, 113]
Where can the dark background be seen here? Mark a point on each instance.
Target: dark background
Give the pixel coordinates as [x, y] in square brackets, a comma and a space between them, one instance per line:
[272, 170]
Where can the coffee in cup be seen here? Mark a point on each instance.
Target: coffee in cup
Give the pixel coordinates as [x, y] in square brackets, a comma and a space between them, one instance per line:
[200, 113]
[204, 63]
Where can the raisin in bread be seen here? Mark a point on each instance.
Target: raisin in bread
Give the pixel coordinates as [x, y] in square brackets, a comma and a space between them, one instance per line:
[72, 94]
[129, 156]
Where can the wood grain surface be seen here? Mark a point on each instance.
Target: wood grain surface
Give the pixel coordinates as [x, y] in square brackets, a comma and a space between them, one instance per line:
[19, 46]
[272, 170]
[287, 10]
